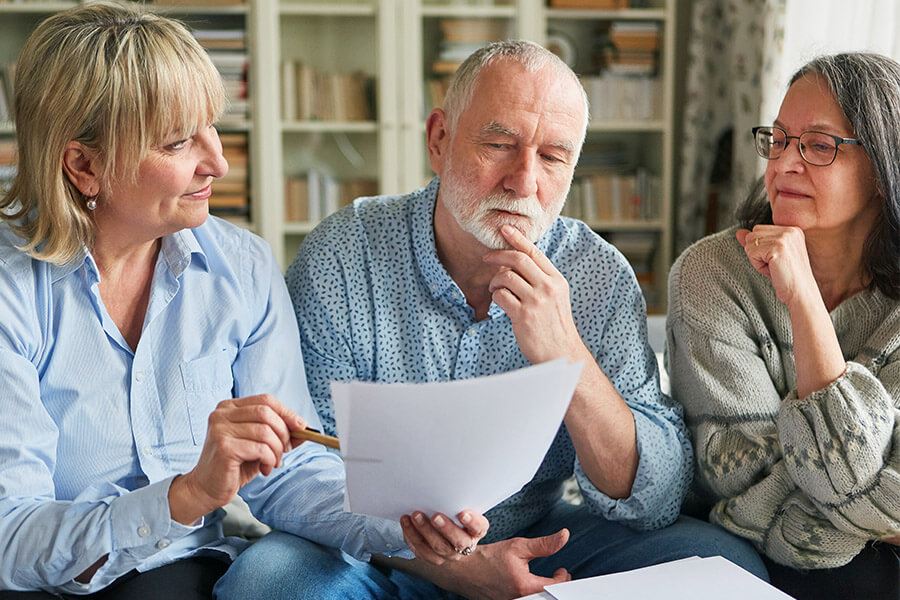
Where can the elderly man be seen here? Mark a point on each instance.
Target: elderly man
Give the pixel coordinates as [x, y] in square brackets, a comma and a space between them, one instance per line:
[477, 274]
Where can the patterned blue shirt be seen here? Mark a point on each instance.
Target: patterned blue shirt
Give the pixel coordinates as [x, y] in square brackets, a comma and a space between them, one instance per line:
[374, 303]
[93, 433]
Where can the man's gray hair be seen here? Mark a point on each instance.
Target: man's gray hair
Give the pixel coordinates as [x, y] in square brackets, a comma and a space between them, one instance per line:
[528, 54]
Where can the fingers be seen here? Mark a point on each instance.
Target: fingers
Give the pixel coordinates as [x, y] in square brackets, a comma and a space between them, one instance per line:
[476, 524]
[462, 540]
[417, 543]
[741, 235]
[519, 263]
[546, 545]
[521, 243]
[291, 420]
[512, 281]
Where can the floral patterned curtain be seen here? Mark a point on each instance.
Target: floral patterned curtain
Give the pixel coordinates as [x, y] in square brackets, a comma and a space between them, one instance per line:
[733, 51]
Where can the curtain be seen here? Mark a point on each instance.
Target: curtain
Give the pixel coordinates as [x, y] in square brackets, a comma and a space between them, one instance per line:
[732, 53]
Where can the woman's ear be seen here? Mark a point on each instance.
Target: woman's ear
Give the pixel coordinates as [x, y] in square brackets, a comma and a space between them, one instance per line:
[81, 165]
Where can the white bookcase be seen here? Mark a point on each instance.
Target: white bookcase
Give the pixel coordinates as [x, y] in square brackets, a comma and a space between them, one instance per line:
[392, 41]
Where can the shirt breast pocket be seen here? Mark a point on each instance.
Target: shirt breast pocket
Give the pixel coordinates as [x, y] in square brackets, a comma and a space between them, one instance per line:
[207, 381]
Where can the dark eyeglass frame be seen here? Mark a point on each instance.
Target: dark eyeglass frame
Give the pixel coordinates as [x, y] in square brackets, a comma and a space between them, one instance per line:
[838, 140]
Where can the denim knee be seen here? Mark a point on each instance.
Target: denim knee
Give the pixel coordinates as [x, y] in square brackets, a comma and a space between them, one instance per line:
[700, 538]
[284, 566]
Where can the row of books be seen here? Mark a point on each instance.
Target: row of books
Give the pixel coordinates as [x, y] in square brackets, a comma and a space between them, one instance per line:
[7, 164]
[312, 196]
[7, 78]
[231, 194]
[227, 49]
[310, 94]
[611, 197]
[622, 97]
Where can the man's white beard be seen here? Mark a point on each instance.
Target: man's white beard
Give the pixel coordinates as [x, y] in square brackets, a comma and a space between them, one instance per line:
[477, 216]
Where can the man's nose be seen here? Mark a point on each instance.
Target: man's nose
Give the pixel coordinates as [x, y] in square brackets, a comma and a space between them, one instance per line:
[522, 179]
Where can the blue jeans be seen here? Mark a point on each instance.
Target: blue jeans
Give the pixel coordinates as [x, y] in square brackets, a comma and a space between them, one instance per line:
[282, 566]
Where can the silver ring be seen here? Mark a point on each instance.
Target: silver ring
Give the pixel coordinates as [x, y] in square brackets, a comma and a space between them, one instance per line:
[467, 550]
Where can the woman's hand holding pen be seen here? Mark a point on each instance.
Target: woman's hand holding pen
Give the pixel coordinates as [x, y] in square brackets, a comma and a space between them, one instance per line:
[246, 437]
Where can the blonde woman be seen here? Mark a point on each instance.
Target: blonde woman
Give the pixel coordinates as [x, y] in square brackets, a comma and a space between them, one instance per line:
[142, 343]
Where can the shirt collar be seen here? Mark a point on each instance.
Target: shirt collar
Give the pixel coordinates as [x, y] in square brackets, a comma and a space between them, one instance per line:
[177, 250]
[430, 266]
[432, 269]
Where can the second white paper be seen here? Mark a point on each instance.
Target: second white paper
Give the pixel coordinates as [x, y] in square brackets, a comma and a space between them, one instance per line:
[448, 446]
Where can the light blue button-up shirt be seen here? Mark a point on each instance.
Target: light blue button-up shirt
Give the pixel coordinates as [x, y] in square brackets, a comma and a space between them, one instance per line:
[93, 433]
[374, 303]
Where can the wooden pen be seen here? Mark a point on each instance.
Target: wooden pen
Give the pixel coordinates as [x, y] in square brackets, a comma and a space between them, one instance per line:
[314, 436]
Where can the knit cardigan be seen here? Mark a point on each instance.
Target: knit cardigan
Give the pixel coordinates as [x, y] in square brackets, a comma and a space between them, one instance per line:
[808, 480]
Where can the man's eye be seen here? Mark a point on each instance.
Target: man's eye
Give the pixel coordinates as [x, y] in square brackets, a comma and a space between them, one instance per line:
[498, 146]
[550, 158]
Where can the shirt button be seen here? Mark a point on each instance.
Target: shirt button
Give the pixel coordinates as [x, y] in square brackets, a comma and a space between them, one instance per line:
[471, 332]
[143, 531]
[139, 376]
[148, 450]
[163, 544]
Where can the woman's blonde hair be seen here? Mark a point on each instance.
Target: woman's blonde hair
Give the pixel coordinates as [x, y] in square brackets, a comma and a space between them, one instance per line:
[119, 81]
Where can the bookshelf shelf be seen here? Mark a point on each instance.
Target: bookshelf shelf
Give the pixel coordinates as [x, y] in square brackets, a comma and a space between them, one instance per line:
[35, 7]
[626, 14]
[298, 228]
[180, 10]
[626, 126]
[470, 12]
[329, 126]
[327, 9]
[626, 225]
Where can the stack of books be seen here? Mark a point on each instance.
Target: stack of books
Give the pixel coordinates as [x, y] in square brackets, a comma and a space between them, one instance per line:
[7, 164]
[461, 37]
[309, 94]
[227, 49]
[312, 196]
[7, 76]
[231, 197]
[633, 48]
[628, 86]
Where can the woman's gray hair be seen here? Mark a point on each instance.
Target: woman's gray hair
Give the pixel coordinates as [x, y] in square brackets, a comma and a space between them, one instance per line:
[528, 54]
[867, 89]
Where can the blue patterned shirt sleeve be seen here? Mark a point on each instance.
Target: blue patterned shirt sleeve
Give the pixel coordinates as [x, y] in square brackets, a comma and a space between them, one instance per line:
[374, 303]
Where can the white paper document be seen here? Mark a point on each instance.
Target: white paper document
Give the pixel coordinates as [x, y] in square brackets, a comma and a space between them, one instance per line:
[694, 578]
[445, 447]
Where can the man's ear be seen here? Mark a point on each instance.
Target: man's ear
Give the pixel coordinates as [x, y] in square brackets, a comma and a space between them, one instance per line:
[81, 166]
[438, 140]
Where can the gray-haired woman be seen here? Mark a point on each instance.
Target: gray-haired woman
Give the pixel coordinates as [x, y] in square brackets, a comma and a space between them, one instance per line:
[784, 340]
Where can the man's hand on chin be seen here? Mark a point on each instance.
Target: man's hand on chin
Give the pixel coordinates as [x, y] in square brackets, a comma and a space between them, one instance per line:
[535, 297]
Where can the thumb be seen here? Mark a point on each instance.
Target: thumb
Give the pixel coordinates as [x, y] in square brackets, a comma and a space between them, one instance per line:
[547, 545]
[561, 576]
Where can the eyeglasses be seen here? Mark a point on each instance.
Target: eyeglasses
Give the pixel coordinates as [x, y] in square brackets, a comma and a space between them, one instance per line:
[816, 148]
